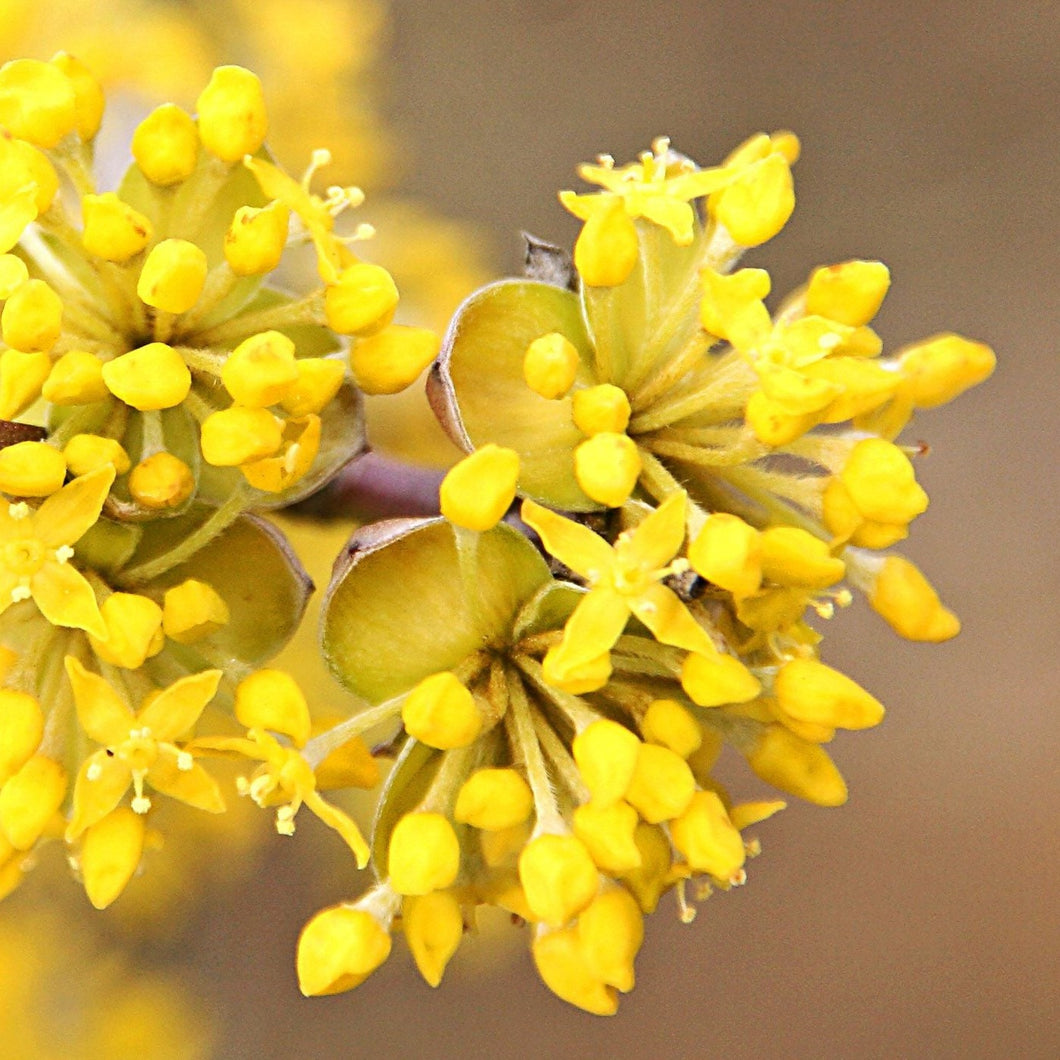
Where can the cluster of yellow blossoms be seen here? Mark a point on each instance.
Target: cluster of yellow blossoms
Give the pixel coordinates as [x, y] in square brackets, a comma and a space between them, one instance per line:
[155, 388]
[697, 476]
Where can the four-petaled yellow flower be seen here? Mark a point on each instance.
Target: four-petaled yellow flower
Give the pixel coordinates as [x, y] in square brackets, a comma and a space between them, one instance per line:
[657, 188]
[138, 747]
[286, 778]
[35, 547]
[623, 580]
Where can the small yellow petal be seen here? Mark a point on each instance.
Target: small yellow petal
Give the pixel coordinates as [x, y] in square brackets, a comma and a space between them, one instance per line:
[110, 854]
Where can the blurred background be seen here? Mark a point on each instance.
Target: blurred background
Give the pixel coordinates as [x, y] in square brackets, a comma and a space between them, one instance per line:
[922, 919]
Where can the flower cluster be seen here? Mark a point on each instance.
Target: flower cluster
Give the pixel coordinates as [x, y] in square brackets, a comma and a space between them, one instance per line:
[701, 479]
[157, 386]
[667, 484]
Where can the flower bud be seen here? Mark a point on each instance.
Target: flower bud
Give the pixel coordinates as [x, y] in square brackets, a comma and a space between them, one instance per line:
[113, 230]
[671, 725]
[29, 799]
[791, 556]
[706, 837]
[550, 365]
[88, 95]
[32, 318]
[606, 754]
[338, 949]
[607, 467]
[558, 876]
[441, 712]
[260, 370]
[21, 164]
[796, 766]
[607, 247]
[271, 699]
[610, 932]
[434, 926]
[607, 832]
[37, 102]
[21, 729]
[31, 469]
[937, 370]
[727, 552]
[238, 435]
[809, 691]
[599, 409]
[848, 293]
[232, 116]
[477, 492]
[662, 785]
[151, 377]
[424, 854]
[906, 599]
[758, 203]
[166, 145]
[362, 301]
[255, 240]
[653, 875]
[561, 962]
[76, 378]
[318, 381]
[134, 630]
[173, 276]
[161, 481]
[712, 680]
[393, 359]
[493, 799]
[22, 376]
[88, 452]
[13, 271]
[191, 611]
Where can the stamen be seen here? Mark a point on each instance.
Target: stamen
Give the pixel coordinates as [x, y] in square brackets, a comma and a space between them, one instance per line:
[686, 912]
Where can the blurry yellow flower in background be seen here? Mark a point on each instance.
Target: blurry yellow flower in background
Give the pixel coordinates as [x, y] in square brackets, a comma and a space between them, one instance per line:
[117, 1011]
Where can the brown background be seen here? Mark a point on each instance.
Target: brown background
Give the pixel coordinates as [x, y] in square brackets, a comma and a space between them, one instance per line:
[921, 920]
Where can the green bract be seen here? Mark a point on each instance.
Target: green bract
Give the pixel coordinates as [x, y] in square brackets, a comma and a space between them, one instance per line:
[399, 607]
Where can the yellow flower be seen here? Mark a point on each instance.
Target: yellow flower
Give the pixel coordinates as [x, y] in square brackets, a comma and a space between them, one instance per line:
[624, 579]
[35, 550]
[138, 747]
[271, 699]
